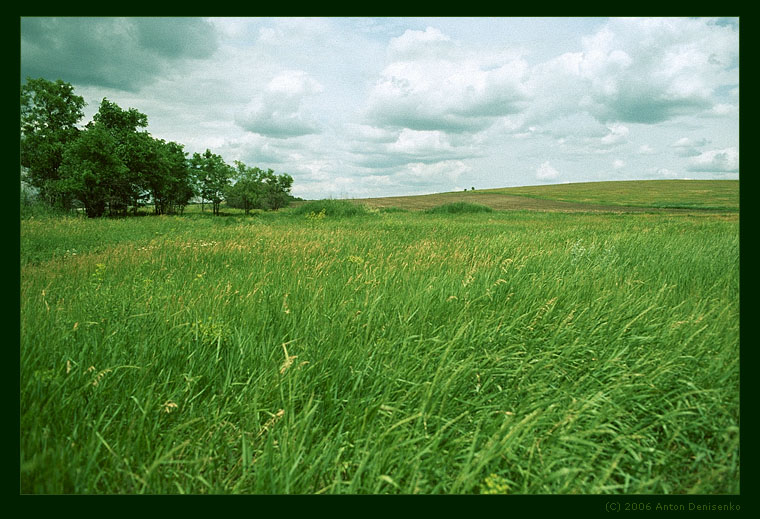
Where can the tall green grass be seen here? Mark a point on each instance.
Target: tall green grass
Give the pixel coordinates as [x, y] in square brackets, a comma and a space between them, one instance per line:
[498, 352]
[331, 207]
[685, 194]
[459, 208]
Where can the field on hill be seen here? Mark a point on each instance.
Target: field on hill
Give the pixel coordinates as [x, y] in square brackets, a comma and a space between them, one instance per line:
[351, 351]
[629, 196]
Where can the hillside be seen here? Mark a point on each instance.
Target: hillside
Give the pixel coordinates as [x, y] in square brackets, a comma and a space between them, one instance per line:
[617, 196]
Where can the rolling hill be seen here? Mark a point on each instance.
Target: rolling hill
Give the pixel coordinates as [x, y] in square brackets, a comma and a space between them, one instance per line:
[613, 196]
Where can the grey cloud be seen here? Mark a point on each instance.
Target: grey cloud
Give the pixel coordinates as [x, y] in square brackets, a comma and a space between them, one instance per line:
[416, 118]
[119, 53]
[278, 125]
[640, 107]
[177, 37]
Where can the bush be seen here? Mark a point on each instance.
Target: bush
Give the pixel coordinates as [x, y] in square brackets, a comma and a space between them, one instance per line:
[459, 208]
[331, 208]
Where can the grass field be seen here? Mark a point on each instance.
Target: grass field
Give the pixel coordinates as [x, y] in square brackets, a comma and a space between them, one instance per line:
[719, 195]
[441, 352]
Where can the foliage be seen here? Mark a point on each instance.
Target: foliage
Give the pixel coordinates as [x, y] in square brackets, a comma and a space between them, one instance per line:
[50, 112]
[459, 208]
[532, 353]
[213, 177]
[332, 208]
[92, 172]
[113, 164]
[247, 190]
[254, 188]
[171, 184]
[276, 192]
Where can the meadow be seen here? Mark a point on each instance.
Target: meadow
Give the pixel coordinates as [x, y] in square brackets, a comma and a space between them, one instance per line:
[322, 350]
[629, 196]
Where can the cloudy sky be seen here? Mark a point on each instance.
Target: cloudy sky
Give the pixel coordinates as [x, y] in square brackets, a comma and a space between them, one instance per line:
[357, 107]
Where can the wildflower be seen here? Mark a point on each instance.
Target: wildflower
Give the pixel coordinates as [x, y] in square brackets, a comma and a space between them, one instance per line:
[495, 485]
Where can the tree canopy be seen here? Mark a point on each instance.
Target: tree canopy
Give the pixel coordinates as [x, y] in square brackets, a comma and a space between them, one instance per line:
[112, 164]
[50, 112]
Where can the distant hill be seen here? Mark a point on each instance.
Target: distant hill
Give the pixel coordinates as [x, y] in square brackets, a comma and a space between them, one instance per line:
[616, 196]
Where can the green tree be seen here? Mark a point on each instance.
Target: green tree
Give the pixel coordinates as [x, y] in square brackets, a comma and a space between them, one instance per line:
[136, 149]
[179, 188]
[212, 176]
[90, 169]
[276, 190]
[50, 112]
[248, 188]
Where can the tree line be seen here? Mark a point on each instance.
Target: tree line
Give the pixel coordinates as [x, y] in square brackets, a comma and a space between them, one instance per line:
[112, 165]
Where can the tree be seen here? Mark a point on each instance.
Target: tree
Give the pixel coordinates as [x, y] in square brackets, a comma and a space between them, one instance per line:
[119, 121]
[49, 115]
[91, 168]
[113, 163]
[168, 182]
[136, 149]
[247, 190]
[276, 190]
[212, 176]
[179, 185]
[255, 188]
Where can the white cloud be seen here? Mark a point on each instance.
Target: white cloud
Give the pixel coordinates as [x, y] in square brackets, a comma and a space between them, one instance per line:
[722, 110]
[652, 69]
[686, 147]
[395, 106]
[618, 134]
[293, 83]
[639, 71]
[278, 111]
[683, 142]
[717, 161]
[546, 172]
[411, 142]
[365, 133]
[425, 88]
[444, 173]
[413, 45]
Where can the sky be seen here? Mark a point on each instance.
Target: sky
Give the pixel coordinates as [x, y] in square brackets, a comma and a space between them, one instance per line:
[369, 107]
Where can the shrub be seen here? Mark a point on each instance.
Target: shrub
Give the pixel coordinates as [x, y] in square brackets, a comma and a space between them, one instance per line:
[459, 208]
[331, 208]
